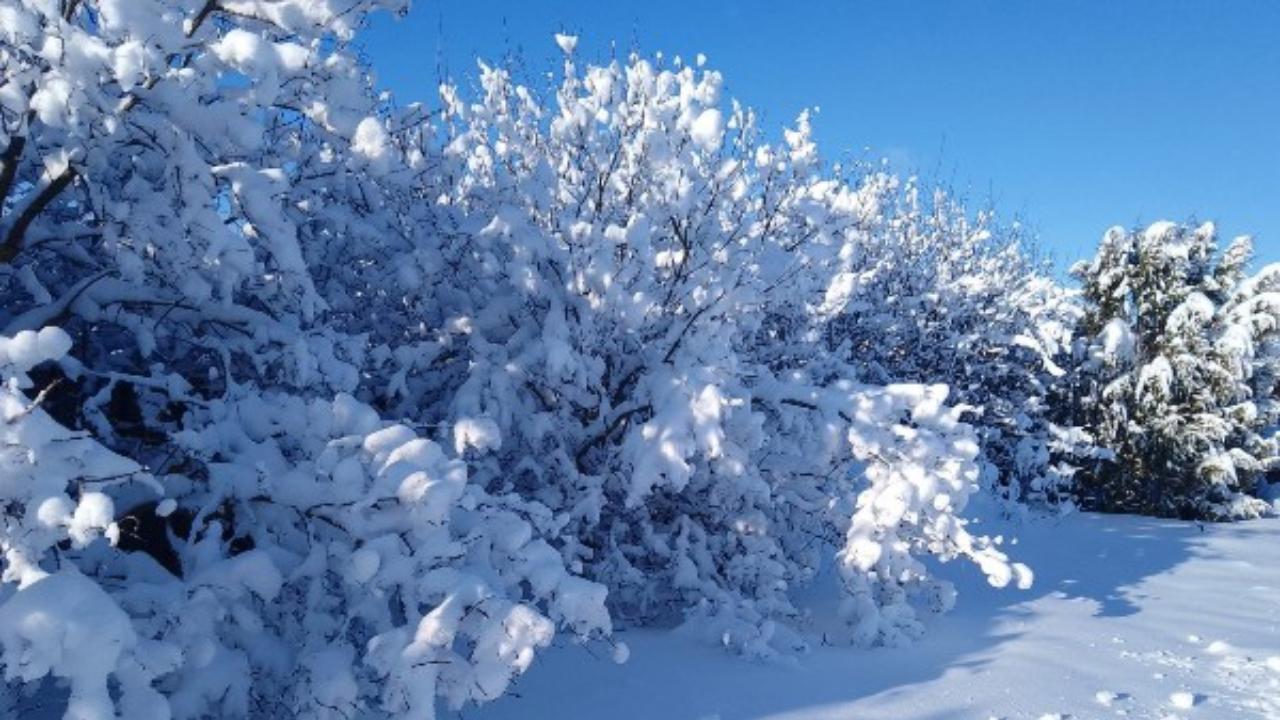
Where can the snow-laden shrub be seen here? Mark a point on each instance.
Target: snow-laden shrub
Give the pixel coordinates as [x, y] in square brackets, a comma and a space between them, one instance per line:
[363, 402]
[335, 565]
[179, 183]
[393, 577]
[56, 621]
[927, 292]
[1175, 375]
[195, 157]
[602, 270]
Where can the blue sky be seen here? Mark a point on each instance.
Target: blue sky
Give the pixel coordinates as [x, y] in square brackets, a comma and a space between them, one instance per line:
[1073, 116]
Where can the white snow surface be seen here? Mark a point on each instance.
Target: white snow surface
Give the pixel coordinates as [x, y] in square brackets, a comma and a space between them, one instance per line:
[1158, 618]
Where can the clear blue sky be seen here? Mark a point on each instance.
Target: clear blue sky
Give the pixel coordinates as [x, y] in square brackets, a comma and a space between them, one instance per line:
[1073, 116]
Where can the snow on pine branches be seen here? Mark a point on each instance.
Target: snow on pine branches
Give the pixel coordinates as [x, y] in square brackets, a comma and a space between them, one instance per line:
[355, 406]
[1176, 374]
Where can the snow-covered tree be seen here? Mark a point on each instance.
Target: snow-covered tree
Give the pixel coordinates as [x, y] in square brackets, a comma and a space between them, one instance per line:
[1175, 375]
[927, 292]
[337, 565]
[354, 405]
[185, 185]
[604, 266]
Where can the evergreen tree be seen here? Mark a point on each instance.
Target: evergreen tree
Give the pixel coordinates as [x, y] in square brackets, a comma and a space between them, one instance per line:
[1175, 374]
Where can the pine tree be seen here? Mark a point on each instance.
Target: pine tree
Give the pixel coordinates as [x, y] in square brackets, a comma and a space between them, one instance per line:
[1175, 374]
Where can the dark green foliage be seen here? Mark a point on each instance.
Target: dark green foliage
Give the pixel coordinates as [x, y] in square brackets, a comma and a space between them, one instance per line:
[1174, 375]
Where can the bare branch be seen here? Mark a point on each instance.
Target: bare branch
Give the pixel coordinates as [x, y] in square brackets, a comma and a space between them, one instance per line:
[9, 165]
[17, 232]
[604, 435]
[201, 16]
[40, 398]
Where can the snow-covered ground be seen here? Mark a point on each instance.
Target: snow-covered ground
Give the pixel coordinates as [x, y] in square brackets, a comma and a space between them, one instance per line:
[1129, 617]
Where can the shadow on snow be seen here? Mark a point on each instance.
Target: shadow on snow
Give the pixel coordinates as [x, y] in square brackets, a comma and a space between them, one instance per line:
[1094, 558]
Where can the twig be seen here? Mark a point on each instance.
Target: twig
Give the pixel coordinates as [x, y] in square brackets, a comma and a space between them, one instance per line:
[40, 398]
[9, 164]
[18, 231]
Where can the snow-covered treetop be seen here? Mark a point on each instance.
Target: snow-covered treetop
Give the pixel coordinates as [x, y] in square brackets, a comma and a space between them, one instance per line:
[169, 131]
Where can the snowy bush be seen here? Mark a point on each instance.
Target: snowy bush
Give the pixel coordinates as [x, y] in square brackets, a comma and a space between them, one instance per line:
[1175, 374]
[353, 406]
[178, 181]
[927, 292]
[609, 261]
[332, 564]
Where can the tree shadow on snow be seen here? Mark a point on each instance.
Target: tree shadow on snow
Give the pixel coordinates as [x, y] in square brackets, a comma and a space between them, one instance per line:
[1098, 559]
[1102, 557]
